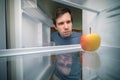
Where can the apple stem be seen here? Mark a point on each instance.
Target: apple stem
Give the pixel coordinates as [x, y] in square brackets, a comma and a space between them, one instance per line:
[90, 30]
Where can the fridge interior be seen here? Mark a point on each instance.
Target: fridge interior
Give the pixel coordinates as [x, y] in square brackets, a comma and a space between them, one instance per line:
[28, 38]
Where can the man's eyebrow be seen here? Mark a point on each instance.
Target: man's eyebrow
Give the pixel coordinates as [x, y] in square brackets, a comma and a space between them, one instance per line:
[60, 23]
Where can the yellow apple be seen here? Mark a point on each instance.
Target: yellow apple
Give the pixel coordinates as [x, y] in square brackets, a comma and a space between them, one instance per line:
[90, 42]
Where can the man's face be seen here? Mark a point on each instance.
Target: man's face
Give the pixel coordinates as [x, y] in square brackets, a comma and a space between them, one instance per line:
[64, 25]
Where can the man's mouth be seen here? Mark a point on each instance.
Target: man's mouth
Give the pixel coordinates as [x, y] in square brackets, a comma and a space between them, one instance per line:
[67, 32]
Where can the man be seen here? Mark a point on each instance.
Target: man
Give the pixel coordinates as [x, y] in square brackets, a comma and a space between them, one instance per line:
[67, 66]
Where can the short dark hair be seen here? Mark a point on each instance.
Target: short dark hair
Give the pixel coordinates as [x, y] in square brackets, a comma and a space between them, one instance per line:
[60, 11]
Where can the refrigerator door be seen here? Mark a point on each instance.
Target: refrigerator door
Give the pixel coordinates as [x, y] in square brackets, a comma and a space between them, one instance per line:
[26, 27]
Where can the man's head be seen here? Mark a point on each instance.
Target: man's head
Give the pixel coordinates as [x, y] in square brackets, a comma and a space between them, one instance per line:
[62, 21]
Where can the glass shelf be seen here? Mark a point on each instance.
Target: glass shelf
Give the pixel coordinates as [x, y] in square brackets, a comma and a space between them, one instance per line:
[48, 50]
[33, 63]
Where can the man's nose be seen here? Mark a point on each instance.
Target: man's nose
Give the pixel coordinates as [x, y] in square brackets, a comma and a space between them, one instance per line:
[66, 26]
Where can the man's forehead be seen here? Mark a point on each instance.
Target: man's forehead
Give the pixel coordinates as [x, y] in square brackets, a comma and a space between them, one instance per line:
[65, 16]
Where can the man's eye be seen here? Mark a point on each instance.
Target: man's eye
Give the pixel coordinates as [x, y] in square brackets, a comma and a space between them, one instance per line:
[61, 23]
[68, 22]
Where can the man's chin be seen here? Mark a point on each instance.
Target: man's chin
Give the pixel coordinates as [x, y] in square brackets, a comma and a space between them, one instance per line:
[66, 35]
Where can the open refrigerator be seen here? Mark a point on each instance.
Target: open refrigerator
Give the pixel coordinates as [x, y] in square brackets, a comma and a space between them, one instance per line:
[30, 48]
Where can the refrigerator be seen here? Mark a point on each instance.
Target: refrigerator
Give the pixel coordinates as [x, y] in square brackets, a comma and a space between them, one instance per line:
[3, 64]
[30, 49]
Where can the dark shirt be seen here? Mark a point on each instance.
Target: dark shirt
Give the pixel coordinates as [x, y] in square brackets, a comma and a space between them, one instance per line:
[67, 66]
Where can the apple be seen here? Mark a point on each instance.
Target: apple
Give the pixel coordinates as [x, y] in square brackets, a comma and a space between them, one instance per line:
[90, 42]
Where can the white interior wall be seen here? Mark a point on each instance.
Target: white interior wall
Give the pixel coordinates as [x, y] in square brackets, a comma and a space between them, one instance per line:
[89, 21]
[106, 24]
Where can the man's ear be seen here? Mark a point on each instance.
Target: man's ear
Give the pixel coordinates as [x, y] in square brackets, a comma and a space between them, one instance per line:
[55, 27]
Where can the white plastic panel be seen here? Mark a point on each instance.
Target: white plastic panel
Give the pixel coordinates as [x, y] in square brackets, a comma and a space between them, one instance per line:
[108, 26]
[31, 32]
[90, 5]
